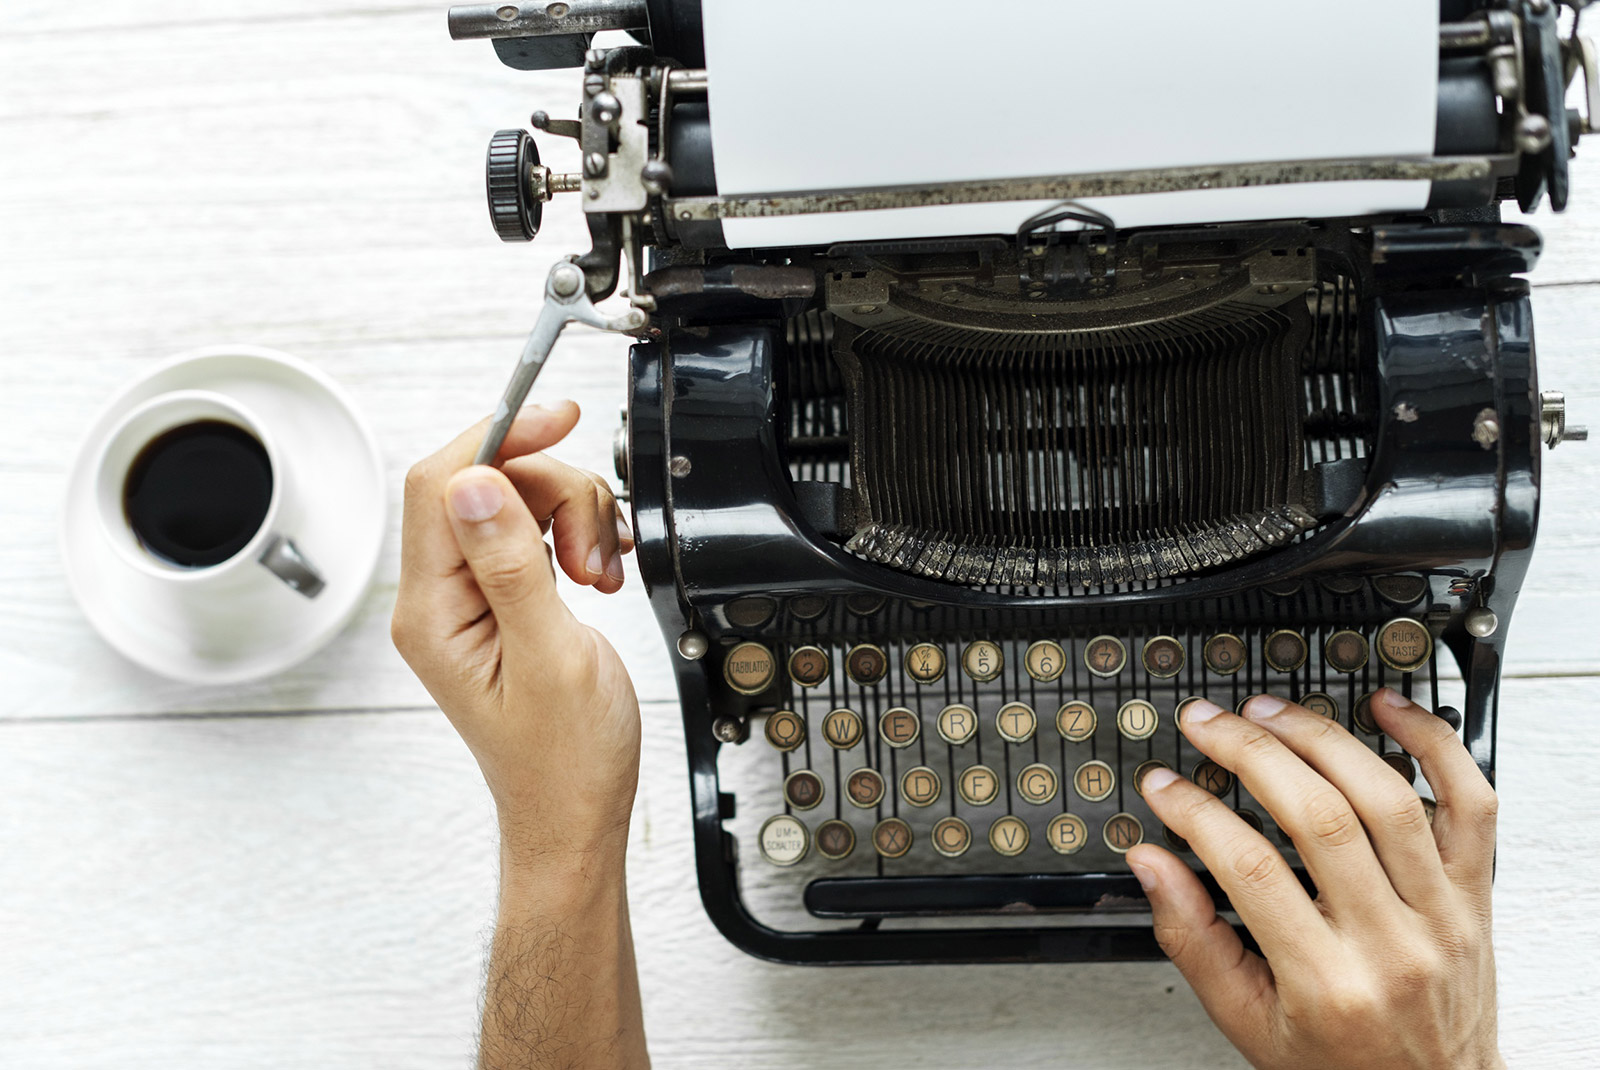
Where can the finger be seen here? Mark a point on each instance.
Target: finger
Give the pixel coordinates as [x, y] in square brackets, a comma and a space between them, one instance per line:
[1234, 984]
[1315, 814]
[624, 532]
[1464, 821]
[605, 508]
[1390, 809]
[503, 547]
[567, 498]
[1258, 882]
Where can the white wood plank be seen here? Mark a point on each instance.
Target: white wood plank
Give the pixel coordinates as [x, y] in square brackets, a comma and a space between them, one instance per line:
[268, 892]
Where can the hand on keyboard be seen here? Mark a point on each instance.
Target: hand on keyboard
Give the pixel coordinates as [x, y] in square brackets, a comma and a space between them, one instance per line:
[1391, 966]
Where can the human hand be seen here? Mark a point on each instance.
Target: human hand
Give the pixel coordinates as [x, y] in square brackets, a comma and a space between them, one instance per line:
[542, 700]
[1391, 966]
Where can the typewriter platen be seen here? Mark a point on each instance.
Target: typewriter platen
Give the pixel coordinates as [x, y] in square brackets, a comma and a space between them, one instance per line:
[943, 532]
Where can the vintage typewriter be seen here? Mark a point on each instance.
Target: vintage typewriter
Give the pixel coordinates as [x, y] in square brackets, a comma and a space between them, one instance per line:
[942, 530]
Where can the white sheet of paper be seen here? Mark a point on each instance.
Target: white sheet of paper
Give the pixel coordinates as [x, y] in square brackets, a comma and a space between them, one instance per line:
[833, 94]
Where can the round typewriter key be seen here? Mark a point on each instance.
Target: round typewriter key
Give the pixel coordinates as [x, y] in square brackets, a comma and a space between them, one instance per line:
[982, 660]
[1163, 657]
[1076, 721]
[1225, 654]
[1401, 590]
[865, 788]
[1067, 834]
[1285, 650]
[951, 837]
[925, 663]
[899, 727]
[920, 786]
[864, 604]
[957, 723]
[1016, 722]
[1283, 589]
[1402, 763]
[783, 840]
[1251, 818]
[808, 666]
[1345, 651]
[1211, 776]
[1177, 714]
[1174, 841]
[1321, 704]
[785, 730]
[1137, 719]
[1363, 715]
[978, 784]
[802, 789]
[835, 839]
[1404, 644]
[1104, 655]
[891, 837]
[750, 668]
[1037, 783]
[1144, 769]
[1342, 584]
[1045, 661]
[1008, 836]
[866, 664]
[1094, 780]
[808, 606]
[752, 611]
[1122, 833]
[842, 729]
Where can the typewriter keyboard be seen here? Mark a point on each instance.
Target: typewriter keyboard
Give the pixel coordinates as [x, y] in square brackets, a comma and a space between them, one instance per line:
[990, 755]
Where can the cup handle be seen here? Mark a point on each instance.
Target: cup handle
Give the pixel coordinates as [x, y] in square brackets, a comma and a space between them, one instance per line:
[285, 561]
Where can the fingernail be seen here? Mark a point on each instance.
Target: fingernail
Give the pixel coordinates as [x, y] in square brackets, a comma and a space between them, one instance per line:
[595, 565]
[1200, 710]
[614, 567]
[1260, 707]
[1156, 779]
[1393, 697]
[1146, 875]
[476, 500]
[622, 530]
[552, 406]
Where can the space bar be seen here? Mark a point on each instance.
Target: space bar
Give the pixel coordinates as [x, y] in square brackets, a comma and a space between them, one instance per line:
[1027, 893]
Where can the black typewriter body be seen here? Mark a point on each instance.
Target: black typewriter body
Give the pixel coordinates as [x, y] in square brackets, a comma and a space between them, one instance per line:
[941, 534]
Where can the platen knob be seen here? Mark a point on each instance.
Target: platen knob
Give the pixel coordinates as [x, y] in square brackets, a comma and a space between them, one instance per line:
[513, 212]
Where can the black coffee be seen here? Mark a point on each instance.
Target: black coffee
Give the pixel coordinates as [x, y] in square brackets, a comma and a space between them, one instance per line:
[195, 495]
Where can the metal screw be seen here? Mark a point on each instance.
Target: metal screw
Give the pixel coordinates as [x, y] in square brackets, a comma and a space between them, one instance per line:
[507, 13]
[679, 466]
[605, 107]
[728, 729]
[1534, 133]
[1482, 622]
[594, 164]
[557, 10]
[566, 280]
[593, 83]
[1486, 428]
[692, 646]
[655, 176]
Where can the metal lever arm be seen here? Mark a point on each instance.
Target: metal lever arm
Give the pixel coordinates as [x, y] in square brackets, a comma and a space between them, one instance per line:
[565, 301]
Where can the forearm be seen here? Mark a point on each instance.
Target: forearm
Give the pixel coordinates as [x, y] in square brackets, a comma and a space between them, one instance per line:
[562, 989]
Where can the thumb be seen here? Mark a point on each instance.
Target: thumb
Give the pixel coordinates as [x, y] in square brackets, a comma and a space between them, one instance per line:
[504, 548]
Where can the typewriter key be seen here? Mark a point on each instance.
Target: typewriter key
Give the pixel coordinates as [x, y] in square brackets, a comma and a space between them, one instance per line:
[865, 788]
[952, 837]
[1402, 763]
[1122, 833]
[1363, 715]
[803, 789]
[785, 730]
[1321, 704]
[783, 840]
[1067, 834]
[842, 729]
[920, 786]
[1225, 654]
[1076, 721]
[1174, 841]
[1283, 588]
[957, 723]
[1342, 584]
[978, 784]
[1251, 818]
[1037, 783]
[1163, 657]
[864, 604]
[1137, 719]
[1345, 651]
[835, 839]
[1177, 713]
[752, 611]
[899, 727]
[1104, 655]
[982, 660]
[1401, 590]
[808, 666]
[924, 663]
[808, 606]
[1145, 768]
[1094, 780]
[891, 837]
[1016, 722]
[1008, 836]
[1045, 661]
[1404, 644]
[866, 664]
[1211, 776]
[749, 668]
[1285, 650]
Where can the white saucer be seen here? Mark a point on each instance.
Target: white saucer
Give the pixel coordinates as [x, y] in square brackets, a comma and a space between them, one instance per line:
[339, 483]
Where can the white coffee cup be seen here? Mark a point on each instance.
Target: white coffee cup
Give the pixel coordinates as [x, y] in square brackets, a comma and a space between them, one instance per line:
[270, 546]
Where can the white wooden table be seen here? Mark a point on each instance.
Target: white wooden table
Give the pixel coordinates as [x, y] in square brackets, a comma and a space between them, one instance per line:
[300, 872]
